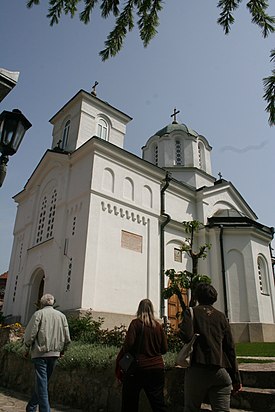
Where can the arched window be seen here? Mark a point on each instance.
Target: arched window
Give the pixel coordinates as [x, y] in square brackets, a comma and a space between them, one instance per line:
[156, 154]
[178, 153]
[102, 129]
[65, 135]
[46, 217]
[262, 275]
[201, 156]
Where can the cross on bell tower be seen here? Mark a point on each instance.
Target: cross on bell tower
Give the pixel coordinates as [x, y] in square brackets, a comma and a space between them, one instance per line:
[94, 88]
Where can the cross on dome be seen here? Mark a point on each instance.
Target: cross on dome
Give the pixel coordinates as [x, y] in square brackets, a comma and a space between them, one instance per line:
[175, 115]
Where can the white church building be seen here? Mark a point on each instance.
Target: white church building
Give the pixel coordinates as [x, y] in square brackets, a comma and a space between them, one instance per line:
[97, 226]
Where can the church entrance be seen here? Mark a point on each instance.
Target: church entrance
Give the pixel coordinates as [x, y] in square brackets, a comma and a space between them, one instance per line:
[36, 291]
[174, 308]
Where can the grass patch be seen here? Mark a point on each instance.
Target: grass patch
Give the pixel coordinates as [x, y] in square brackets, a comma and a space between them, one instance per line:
[258, 349]
[254, 360]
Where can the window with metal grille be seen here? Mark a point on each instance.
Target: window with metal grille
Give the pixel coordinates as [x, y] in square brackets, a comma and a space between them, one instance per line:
[178, 153]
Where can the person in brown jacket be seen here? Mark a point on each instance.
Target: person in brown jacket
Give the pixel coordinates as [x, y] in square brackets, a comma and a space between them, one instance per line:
[146, 340]
[214, 369]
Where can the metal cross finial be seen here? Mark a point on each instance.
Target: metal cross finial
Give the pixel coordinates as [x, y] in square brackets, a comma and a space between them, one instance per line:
[175, 115]
[93, 88]
[220, 175]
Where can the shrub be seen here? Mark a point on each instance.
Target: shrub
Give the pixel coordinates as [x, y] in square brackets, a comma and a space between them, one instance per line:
[81, 355]
[114, 337]
[86, 329]
[174, 341]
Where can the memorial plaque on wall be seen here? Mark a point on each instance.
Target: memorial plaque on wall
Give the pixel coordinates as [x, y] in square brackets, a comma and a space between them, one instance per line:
[131, 241]
[177, 255]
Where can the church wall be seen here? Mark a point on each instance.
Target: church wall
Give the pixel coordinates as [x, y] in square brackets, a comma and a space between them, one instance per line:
[259, 306]
[240, 276]
[211, 266]
[179, 206]
[88, 125]
[60, 258]
[123, 261]
[266, 298]
[122, 257]
[167, 151]
[70, 112]
[189, 148]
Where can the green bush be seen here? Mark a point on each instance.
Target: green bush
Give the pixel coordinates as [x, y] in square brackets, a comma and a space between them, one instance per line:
[86, 329]
[174, 341]
[83, 355]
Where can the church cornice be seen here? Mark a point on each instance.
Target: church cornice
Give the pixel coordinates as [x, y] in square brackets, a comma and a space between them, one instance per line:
[226, 186]
[82, 94]
[241, 222]
[101, 147]
[191, 169]
[50, 160]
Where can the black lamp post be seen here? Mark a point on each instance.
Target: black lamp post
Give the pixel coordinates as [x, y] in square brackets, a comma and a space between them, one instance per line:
[13, 126]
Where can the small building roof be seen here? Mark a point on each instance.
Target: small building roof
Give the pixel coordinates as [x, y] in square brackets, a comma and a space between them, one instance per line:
[4, 275]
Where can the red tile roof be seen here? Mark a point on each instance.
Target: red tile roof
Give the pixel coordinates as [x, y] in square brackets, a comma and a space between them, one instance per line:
[4, 275]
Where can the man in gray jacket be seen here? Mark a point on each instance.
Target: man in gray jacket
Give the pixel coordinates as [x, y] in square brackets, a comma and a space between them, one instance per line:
[47, 337]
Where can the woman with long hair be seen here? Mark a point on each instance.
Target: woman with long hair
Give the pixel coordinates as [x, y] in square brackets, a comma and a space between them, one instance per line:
[146, 340]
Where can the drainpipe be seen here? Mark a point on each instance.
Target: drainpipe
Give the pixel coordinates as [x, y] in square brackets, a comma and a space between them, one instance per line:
[271, 255]
[162, 226]
[223, 272]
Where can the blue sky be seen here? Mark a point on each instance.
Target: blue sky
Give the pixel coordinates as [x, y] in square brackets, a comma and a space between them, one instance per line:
[214, 80]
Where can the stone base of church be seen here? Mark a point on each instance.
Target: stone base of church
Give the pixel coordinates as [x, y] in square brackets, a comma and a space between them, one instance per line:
[110, 319]
[253, 332]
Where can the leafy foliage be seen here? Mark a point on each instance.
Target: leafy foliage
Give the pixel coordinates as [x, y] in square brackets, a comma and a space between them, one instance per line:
[185, 279]
[86, 329]
[81, 355]
[269, 89]
[173, 339]
[257, 9]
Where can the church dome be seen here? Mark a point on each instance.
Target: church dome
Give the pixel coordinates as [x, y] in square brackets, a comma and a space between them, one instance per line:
[176, 127]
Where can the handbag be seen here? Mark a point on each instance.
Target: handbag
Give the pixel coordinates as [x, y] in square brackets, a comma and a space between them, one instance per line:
[128, 362]
[184, 356]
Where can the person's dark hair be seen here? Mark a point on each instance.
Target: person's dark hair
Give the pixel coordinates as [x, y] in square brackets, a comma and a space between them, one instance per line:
[206, 294]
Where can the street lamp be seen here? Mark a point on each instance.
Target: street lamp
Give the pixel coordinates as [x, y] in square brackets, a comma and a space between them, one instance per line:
[13, 126]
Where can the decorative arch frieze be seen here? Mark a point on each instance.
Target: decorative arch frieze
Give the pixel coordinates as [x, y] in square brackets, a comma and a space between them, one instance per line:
[123, 213]
[108, 180]
[128, 188]
[147, 196]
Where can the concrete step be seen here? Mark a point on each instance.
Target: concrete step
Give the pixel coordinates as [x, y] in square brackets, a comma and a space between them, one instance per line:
[258, 379]
[254, 399]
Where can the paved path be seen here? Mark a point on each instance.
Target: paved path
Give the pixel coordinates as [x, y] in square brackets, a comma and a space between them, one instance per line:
[11, 401]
